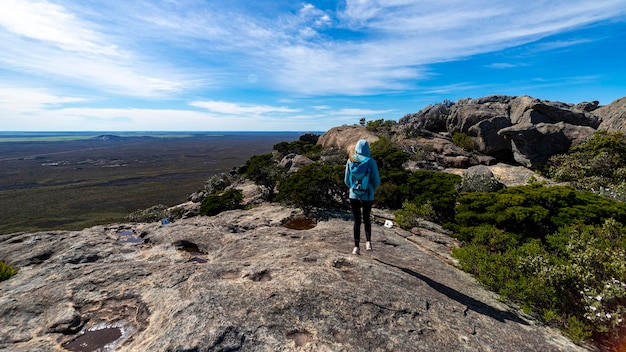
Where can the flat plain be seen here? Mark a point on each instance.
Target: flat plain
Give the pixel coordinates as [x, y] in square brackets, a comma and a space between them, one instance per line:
[72, 181]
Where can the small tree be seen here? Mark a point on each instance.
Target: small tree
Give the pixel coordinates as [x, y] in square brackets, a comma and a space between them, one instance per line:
[264, 171]
[314, 186]
[221, 201]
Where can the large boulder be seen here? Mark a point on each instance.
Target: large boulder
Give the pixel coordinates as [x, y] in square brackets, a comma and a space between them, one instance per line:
[293, 162]
[613, 116]
[345, 137]
[534, 144]
[468, 113]
[527, 110]
[486, 135]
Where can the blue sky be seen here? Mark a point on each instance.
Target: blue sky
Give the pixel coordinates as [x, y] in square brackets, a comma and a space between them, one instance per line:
[243, 65]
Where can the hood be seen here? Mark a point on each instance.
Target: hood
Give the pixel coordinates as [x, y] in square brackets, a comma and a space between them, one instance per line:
[361, 150]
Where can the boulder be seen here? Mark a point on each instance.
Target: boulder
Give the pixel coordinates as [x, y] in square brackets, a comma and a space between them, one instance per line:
[533, 144]
[480, 178]
[345, 137]
[467, 114]
[293, 162]
[243, 281]
[486, 135]
[526, 110]
[613, 116]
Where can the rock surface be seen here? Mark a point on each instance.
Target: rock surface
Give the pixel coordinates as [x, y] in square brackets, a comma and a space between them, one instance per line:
[243, 280]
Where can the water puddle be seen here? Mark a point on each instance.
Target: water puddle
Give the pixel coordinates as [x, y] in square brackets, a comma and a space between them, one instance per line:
[95, 340]
[128, 236]
[300, 223]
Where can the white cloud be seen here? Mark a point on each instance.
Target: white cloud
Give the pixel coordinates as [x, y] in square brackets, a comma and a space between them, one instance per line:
[15, 100]
[44, 40]
[240, 109]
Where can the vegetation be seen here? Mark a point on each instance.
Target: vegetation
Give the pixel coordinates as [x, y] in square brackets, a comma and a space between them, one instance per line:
[597, 165]
[155, 213]
[302, 147]
[558, 252]
[381, 126]
[464, 142]
[6, 271]
[265, 172]
[221, 201]
[316, 185]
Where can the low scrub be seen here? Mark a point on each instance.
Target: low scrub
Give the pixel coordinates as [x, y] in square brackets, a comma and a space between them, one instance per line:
[559, 253]
[222, 201]
[155, 213]
[597, 165]
[6, 271]
[316, 185]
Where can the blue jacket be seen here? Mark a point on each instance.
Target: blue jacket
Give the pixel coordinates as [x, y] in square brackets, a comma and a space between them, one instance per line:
[362, 154]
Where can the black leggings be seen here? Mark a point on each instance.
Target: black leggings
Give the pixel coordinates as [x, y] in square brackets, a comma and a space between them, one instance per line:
[356, 211]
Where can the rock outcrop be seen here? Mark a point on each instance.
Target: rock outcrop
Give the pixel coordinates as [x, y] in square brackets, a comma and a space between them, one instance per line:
[523, 127]
[613, 116]
[245, 280]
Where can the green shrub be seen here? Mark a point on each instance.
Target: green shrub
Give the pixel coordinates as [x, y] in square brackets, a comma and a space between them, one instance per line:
[315, 185]
[411, 214]
[218, 202]
[464, 141]
[533, 211]
[6, 271]
[559, 253]
[388, 157]
[264, 171]
[596, 165]
[301, 147]
[219, 182]
[436, 188]
[380, 126]
[152, 214]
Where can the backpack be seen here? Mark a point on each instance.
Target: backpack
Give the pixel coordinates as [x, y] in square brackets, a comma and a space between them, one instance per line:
[359, 176]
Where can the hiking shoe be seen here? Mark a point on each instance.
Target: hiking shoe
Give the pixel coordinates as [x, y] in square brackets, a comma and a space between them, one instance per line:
[368, 246]
[356, 251]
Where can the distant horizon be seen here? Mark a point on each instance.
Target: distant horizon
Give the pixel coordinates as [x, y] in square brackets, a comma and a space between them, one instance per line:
[294, 66]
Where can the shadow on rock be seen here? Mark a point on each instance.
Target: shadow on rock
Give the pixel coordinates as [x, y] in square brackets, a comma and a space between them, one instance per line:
[471, 303]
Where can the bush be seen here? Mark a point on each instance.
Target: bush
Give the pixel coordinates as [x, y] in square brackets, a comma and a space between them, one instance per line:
[315, 185]
[559, 253]
[436, 188]
[380, 126]
[6, 271]
[302, 147]
[221, 201]
[533, 211]
[219, 182]
[152, 214]
[264, 171]
[464, 142]
[596, 165]
[388, 157]
[411, 214]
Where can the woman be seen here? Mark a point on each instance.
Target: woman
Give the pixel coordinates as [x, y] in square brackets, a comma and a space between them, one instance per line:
[362, 177]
